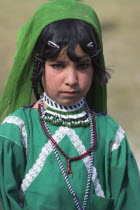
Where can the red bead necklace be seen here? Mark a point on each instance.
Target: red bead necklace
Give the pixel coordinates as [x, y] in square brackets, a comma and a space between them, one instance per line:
[69, 160]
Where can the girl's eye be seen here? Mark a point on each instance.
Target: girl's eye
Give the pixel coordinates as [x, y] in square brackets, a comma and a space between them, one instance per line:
[57, 66]
[83, 66]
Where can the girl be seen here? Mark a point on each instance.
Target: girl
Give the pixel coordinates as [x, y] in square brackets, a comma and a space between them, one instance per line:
[58, 153]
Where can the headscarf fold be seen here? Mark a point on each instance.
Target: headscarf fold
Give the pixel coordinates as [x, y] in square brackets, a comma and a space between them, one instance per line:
[18, 89]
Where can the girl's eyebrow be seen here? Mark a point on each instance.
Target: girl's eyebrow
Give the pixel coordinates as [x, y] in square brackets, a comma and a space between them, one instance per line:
[57, 61]
[83, 59]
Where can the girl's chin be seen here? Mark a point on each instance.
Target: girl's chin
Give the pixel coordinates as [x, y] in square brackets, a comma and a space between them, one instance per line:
[68, 102]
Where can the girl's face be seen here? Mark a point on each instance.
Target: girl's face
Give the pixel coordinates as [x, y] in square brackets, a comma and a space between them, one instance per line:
[66, 81]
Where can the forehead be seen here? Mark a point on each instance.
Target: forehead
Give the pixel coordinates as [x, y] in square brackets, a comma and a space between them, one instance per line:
[63, 56]
[79, 52]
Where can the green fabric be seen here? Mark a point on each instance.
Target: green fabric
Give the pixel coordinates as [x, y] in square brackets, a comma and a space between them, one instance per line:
[18, 89]
[116, 178]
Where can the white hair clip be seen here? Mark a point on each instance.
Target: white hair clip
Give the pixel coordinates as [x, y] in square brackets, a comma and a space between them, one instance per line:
[52, 44]
[96, 53]
[90, 44]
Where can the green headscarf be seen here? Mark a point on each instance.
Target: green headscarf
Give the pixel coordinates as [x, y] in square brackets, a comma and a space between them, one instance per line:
[18, 89]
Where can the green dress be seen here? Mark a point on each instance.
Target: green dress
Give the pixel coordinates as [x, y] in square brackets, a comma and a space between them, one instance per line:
[30, 177]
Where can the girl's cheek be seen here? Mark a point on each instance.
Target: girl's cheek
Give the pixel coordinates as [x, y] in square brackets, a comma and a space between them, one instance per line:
[43, 81]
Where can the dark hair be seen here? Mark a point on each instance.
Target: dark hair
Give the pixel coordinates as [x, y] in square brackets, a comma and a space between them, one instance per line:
[68, 32]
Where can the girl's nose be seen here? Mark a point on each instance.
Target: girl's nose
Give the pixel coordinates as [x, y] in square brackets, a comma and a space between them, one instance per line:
[71, 77]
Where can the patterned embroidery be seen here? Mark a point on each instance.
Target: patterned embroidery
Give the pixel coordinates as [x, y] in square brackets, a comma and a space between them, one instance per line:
[20, 123]
[118, 139]
[81, 149]
[47, 149]
[37, 167]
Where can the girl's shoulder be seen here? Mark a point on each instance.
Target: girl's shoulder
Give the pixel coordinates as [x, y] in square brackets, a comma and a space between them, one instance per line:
[20, 116]
[19, 113]
[106, 120]
[109, 131]
[15, 126]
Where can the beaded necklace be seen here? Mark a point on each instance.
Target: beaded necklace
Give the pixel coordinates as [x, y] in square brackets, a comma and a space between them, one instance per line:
[73, 119]
[69, 160]
[60, 115]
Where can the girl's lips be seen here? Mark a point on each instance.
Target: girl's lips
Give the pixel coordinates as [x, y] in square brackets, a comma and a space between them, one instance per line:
[70, 93]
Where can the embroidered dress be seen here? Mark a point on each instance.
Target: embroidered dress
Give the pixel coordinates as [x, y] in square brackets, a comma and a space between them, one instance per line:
[30, 177]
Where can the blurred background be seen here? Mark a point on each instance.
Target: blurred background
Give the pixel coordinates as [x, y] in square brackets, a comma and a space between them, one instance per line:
[120, 21]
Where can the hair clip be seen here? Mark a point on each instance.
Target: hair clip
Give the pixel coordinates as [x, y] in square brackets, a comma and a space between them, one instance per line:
[90, 44]
[52, 44]
[39, 59]
[96, 53]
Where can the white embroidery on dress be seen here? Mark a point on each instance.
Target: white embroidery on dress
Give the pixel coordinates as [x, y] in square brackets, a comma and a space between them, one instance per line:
[47, 149]
[118, 139]
[81, 149]
[20, 123]
[37, 167]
